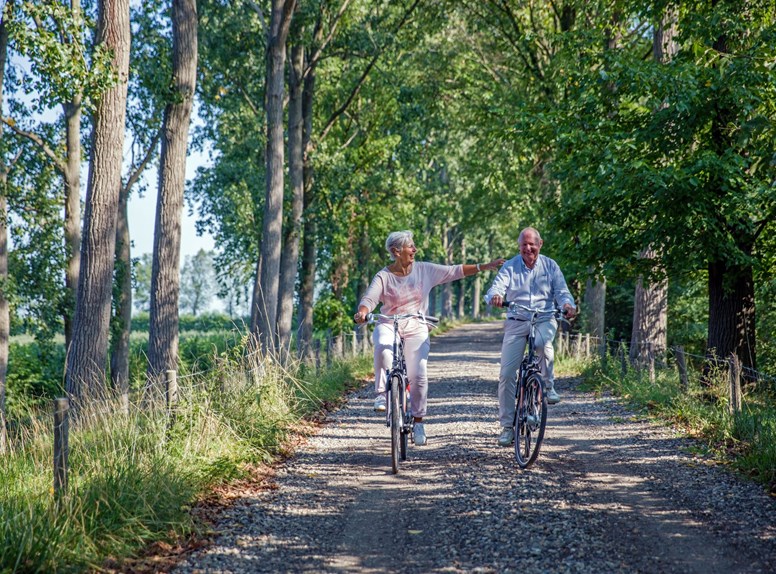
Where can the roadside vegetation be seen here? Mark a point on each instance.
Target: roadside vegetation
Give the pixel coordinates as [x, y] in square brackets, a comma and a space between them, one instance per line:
[745, 440]
[133, 478]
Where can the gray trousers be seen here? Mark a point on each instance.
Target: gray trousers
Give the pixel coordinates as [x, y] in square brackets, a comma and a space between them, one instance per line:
[512, 350]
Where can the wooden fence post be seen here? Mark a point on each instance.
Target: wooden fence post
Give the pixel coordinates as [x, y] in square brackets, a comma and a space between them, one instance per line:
[560, 345]
[61, 444]
[365, 339]
[354, 339]
[734, 404]
[623, 361]
[681, 365]
[171, 389]
[329, 348]
[317, 347]
[587, 345]
[578, 346]
[171, 394]
[603, 349]
[651, 359]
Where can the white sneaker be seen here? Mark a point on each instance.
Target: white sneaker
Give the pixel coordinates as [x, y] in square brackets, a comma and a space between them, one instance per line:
[552, 397]
[380, 403]
[420, 434]
[507, 436]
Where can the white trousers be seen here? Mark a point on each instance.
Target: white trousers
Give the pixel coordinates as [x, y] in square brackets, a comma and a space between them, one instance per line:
[512, 350]
[416, 348]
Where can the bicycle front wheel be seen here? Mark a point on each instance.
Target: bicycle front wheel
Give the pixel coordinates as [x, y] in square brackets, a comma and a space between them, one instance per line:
[407, 419]
[396, 423]
[531, 419]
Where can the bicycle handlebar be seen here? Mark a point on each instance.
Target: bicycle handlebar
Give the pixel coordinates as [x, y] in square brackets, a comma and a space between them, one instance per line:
[372, 317]
[558, 313]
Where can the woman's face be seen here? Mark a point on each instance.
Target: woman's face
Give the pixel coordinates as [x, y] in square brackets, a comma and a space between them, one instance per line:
[406, 254]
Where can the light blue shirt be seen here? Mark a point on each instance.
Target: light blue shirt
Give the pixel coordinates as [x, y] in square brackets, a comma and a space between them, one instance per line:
[537, 288]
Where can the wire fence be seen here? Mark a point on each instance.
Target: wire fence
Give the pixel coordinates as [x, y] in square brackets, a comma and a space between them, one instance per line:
[325, 350]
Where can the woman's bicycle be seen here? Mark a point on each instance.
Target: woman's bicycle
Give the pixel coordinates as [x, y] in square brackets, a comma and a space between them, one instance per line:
[398, 414]
[530, 400]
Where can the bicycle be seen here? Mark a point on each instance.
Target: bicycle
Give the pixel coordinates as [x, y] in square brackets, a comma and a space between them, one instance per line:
[398, 413]
[530, 401]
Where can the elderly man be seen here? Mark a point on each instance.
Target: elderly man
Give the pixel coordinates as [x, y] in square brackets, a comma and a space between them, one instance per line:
[535, 281]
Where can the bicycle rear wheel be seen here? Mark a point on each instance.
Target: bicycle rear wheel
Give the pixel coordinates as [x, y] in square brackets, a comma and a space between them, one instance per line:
[531, 420]
[396, 422]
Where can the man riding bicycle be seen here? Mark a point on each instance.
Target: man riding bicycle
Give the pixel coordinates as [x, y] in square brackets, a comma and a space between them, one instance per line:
[534, 281]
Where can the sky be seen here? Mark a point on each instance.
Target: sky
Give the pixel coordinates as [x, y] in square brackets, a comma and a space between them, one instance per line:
[142, 214]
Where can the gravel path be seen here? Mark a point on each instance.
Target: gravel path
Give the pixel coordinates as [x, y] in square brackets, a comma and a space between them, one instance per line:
[611, 492]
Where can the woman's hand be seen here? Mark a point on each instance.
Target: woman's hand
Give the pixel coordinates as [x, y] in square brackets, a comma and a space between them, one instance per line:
[493, 265]
[359, 317]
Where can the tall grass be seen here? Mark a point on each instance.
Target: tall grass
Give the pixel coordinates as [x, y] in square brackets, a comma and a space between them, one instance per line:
[746, 440]
[134, 477]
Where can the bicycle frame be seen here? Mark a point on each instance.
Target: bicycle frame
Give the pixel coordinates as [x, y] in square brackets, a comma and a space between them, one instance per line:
[530, 403]
[401, 424]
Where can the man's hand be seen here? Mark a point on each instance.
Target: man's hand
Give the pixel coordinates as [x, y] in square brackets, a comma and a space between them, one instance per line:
[569, 311]
[496, 301]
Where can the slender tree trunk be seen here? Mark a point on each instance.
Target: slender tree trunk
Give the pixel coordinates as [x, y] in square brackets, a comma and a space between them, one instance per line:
[462, 284]
[119, 359]
[309, 233]
[165, 274]
[87, 355]
[5, 316]
[290, 258]
[72, 177]
[265, 298]
[476, 295]
[447, 291]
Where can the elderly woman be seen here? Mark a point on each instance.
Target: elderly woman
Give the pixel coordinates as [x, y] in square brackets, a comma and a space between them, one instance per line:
[403, 287]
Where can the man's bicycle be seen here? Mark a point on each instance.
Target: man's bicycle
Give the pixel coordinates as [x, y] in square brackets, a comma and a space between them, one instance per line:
[530, 400]
[398, 414]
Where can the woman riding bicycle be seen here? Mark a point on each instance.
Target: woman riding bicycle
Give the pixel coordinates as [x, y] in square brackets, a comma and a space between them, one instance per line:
[403, 287]
[531, 280]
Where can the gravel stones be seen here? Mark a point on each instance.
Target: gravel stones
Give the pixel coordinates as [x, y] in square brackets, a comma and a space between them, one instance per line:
[610, 492]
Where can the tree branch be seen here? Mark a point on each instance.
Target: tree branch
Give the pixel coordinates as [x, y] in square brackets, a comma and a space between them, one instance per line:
[260, 12]
[135, 174]
[37, 140]
[360, 83]
[314, 59]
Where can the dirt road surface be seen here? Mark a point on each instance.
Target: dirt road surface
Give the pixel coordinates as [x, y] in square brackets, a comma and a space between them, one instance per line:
[611, 492]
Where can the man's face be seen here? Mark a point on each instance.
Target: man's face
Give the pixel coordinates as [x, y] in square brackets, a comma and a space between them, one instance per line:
[530, 245]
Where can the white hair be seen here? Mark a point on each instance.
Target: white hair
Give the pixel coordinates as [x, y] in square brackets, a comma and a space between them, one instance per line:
[531, 230]
[397, 240]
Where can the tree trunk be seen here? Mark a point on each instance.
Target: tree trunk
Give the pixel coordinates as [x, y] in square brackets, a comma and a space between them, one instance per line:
[122, 326]
[650, 318]
[309, 250]
[462, 284]
[595, 303]
[87, 355]
[5, 316]
[476, 295]
[165, 274]
[265, 297]
[447, 291]
[732, 314]
[650, 309]
[72, 177]
[290, 258]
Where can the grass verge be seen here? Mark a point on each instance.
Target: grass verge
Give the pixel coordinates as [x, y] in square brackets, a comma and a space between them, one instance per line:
[745, 440]
[134, 477]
